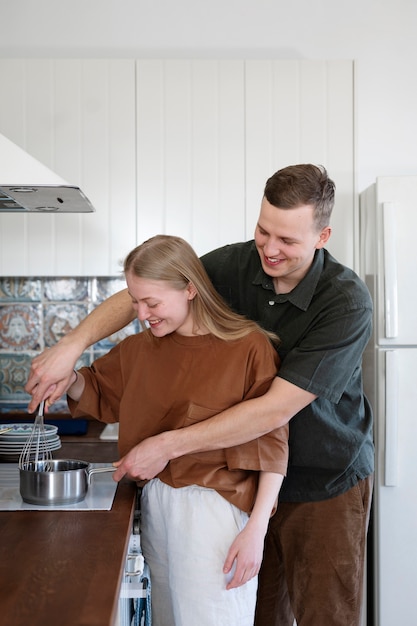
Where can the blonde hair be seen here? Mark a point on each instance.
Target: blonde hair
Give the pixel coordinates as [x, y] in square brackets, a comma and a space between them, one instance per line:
[173, 260]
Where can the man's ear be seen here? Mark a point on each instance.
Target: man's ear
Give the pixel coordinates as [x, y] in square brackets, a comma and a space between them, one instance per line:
[324, 237]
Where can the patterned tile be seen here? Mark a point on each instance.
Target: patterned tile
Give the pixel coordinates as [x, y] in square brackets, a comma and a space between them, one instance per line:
[105, 287]
[14, 371]
[34, 314]
[59, 319]
[20, 327]
[20, 289]
[68, 289]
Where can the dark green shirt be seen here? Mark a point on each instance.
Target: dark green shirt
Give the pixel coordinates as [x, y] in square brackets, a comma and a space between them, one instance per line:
[324, 324]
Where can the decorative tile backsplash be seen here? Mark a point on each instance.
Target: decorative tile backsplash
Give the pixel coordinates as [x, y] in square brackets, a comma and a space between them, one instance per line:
[34, 314]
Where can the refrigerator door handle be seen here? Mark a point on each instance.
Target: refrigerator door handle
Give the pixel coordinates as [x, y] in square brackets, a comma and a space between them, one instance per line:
[391, 418]
[390, 270]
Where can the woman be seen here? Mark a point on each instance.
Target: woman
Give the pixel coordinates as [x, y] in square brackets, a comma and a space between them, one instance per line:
[204, 517]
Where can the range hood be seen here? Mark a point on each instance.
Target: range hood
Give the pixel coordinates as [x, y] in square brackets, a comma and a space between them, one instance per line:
[29, 186]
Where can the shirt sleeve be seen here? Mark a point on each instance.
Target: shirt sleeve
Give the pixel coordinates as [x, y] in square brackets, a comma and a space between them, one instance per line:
[269, 452]
[102, 392]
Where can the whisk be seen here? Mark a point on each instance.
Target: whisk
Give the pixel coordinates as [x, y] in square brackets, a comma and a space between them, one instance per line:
[36, 454]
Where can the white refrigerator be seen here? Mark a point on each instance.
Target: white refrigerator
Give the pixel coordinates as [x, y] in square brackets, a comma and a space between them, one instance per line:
[388, 264]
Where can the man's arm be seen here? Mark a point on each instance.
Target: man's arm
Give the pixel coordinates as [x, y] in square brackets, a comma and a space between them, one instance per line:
[243, 422]
[51, 371]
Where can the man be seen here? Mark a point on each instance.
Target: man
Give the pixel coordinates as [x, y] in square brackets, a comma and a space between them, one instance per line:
[287, 281]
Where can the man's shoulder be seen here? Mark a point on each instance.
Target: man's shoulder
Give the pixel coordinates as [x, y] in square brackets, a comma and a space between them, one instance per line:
[229, 256]
[231, 250]
[344, 279]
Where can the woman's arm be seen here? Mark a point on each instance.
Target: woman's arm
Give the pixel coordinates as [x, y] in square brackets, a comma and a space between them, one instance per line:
[77, 384]
[247, 549]
[51, 371]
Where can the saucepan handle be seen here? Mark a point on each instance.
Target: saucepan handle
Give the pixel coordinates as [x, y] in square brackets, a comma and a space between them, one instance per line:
[99, 470]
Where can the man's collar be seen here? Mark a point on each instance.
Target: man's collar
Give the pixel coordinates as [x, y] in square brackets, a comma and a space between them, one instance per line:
[302, 293]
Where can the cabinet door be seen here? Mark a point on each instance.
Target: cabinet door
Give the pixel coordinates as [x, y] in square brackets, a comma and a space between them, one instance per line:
[78, 118]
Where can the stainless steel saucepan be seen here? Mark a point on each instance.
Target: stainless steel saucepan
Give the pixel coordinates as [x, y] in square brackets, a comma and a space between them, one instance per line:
[64, 481]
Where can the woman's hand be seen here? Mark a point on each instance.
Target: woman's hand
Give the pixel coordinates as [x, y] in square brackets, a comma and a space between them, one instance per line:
[246, 554]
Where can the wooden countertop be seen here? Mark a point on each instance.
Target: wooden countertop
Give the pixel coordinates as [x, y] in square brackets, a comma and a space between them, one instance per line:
[65, 567]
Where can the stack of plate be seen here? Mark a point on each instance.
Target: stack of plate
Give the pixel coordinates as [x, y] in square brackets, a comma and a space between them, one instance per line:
[14, 436]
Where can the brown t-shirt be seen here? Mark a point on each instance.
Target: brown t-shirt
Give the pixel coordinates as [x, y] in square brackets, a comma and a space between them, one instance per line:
[151, 385]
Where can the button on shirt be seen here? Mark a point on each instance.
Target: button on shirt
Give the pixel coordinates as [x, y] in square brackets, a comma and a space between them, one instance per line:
[324, 324]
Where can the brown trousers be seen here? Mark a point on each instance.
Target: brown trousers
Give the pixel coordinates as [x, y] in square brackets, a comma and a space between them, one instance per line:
[314, 560]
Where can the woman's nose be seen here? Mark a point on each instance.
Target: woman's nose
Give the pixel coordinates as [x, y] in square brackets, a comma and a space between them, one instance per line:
[142, 312]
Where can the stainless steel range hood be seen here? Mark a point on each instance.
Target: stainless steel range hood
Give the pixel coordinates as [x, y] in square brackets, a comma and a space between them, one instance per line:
[29, 186]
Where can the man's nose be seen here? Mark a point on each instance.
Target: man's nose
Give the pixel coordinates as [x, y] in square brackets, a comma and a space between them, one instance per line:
[271, 248]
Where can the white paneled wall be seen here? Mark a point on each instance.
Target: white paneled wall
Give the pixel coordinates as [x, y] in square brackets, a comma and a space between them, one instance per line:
[302, 112]
[78, 118]
[176, 146]
[191, 150]
[211, 132]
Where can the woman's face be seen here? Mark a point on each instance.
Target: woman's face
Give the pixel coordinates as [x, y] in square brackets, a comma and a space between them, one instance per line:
[165, 309]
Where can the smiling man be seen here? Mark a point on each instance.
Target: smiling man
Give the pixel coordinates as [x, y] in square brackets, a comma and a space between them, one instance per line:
[286, 281]
[286, 242]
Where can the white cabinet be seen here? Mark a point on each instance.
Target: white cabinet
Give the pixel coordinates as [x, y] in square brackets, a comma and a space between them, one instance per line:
[78, 118]
[176, 146]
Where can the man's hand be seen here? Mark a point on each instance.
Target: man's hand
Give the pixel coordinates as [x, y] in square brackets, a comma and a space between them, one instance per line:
[143, 462]
[50, 374]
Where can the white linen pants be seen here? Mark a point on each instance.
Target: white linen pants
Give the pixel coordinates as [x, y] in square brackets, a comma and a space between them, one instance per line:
[185, 536]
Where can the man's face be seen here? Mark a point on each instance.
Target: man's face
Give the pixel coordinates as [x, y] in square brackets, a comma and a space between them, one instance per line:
[286, 240]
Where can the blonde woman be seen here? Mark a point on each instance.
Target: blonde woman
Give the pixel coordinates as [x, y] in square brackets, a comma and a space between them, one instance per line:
[204, 517]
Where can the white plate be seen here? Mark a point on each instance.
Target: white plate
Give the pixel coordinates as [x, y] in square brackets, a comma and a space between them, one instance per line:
[20, 432]
[10, 455]
[19, 445]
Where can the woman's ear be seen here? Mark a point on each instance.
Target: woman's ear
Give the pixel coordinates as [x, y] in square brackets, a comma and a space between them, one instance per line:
[192, 291]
